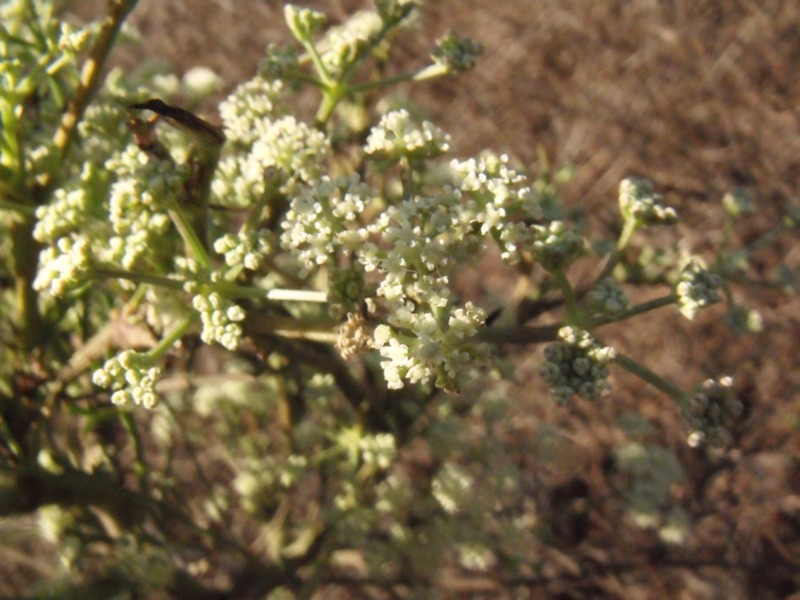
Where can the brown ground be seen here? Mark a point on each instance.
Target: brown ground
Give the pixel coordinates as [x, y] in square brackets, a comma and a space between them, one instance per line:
[698, 96]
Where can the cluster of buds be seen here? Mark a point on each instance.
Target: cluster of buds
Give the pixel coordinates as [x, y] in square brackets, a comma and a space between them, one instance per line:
[577, 366]
[697, 288]
[132, 375]
[221, 319]
[711, 411]
[639, 202]
[606, 298]
[555, 245]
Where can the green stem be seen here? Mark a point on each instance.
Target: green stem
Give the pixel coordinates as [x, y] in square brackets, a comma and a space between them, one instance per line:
[572, 316]
[319, 64]
[381, 83]
[230, 290]
[636, 310]
[187, 232]
[168, 341]
[25, 257]
[159, 280]
[331, 96]
[16, 207]
[650, 377]
[628, 229]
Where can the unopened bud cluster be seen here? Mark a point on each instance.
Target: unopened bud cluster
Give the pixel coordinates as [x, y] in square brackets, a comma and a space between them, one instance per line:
[556, 245]
[638, 201]
[247, 248]
[221, 319]
[606, 298]
[455, 53]
[711, 412]
[577, 366]
[132, 375]
[697, 288]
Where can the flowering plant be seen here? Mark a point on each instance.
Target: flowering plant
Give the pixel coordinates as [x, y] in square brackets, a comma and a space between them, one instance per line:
[320, 261]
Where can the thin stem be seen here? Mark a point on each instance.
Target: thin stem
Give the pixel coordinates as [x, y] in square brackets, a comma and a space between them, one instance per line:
[159, 280]
[408, 178]
[314, 330]
[331, 96]
[650, 377]
[628, 229]
[187, 232]
[165, 344]
[518, 335]
[91, 73]
[636, 310]
[231, 290]
[16, 207]
[570, 302]
[381, 83]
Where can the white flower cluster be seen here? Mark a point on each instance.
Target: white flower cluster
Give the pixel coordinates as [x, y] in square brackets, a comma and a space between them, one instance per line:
[137, 205]
[417, 245]
[343, 44]
[578, 366]
[606, 298]
[638, 201]
[132, 375]
[397, 136]
[221, 319]
[499, 199]
[247, 247]
[263, 141]
[422, 244]
[418, 347]
[65, 213]
[100, 129]
[245, 111]
[201, 82]
[321, 219]
[452, 487]
[378, 450]
[303, 22]
[711, 411]
[697, 288]
[63, 265]
[476, 557]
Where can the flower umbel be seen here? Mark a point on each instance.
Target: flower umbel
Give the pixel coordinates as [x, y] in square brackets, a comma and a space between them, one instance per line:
[711, 411]
[221, 319]
[577, 366]
[132, 375]
[398, 136]
[638, 201]
[697, 288]
[607, 298]
[455, 53]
